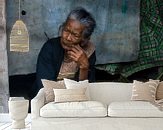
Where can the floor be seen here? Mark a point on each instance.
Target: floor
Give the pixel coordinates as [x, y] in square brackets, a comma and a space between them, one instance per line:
[6, 122]
[7, 126]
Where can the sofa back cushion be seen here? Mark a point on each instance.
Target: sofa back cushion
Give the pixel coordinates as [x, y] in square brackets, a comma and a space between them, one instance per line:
[107, 92]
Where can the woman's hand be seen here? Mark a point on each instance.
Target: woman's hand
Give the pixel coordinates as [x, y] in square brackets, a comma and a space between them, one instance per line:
[77, 54]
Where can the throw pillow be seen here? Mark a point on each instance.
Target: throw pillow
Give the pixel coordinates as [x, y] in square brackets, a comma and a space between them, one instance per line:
[49, 85]
[70, 95]
[71, 84]
[159, 92]
[144, 91]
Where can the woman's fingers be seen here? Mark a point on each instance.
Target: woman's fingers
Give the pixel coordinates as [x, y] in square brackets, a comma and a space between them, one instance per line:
[76, 52]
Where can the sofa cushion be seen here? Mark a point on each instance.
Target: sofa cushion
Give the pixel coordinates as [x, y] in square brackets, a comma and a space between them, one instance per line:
[159, 93]
[49, 85]
[133, 109]
[74, 109]
[70, 95]
[72, 84]
[144, 91]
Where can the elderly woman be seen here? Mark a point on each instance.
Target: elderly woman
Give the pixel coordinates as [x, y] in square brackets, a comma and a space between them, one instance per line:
[71, 55]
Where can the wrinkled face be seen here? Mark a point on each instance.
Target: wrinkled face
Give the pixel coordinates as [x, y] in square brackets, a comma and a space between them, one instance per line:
[72, 34]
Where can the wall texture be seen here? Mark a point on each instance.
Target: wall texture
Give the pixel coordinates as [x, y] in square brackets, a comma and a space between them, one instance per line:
[116, 36]
[4, 87]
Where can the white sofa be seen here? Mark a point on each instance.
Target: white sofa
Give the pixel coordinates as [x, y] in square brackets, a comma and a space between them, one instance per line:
[120, 112]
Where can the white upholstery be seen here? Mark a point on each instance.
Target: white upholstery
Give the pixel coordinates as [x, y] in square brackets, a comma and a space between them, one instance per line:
[71, 84]
[108, 93]
[133, 109]
[74, 109]
[106, 123]
[105, 92]
[37, 103]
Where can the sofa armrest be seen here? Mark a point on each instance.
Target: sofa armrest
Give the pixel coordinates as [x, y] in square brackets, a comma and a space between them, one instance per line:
[36, 104]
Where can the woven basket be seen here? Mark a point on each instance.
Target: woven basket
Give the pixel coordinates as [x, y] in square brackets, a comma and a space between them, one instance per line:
[19, 37]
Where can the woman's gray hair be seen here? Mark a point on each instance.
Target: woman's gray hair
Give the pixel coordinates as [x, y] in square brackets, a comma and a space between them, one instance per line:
[85, 18]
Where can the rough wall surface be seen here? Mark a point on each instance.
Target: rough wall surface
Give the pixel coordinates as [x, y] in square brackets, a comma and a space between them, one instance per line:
[4, 87]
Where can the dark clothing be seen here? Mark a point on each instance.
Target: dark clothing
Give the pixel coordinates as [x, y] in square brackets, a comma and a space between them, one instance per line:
[50, 60]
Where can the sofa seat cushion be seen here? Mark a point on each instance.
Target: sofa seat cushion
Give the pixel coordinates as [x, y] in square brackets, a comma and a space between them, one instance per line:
[74, 109]
[133, 109]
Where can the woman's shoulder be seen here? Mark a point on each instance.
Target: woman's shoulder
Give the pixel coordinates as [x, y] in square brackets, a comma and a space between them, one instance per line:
[89, 48]
[53, 41]
[51, 45]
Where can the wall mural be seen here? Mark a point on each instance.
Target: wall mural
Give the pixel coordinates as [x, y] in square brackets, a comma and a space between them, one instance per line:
[116, 36]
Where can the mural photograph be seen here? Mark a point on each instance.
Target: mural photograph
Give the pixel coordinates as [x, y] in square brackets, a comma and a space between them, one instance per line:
[99, 41]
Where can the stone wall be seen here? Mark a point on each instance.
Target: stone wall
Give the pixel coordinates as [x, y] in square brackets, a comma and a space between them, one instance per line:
[4, 86]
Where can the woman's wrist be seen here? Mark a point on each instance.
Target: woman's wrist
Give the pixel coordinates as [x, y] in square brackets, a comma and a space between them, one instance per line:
[83, 73]
[84, 67]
